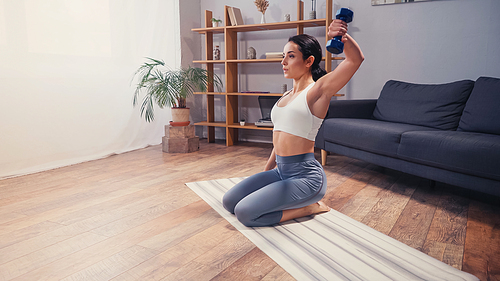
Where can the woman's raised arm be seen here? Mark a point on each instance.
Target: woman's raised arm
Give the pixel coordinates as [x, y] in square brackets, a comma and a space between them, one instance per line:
[331, 83]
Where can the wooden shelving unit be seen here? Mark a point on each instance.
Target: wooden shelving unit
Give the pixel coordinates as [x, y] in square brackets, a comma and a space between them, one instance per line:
[231, 62]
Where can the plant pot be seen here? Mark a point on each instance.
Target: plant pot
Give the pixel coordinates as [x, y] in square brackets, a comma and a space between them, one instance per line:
[242, 123]
[180, 115]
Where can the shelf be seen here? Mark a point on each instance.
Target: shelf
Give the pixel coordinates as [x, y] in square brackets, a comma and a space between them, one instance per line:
[256, 94]
[211, 124]
[263, 26]
[239, 94]
[336, 58]
[209, 93]
[251, 60]
[250, 126]
[219, 29]
[270, 60]
[232, 64]
[238, 61]
[249, 94]
[254, 60]
[209, 61]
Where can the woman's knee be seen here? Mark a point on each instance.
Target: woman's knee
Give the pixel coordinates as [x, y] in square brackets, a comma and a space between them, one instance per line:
[229, 202]
[244, 214]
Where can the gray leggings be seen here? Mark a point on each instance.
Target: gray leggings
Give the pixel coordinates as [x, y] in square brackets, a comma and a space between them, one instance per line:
[259, 200]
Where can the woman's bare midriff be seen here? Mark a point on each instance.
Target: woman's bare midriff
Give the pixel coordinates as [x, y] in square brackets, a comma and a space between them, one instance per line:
[286, 144]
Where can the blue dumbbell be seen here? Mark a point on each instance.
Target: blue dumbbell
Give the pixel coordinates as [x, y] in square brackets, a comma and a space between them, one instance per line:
[335, 45]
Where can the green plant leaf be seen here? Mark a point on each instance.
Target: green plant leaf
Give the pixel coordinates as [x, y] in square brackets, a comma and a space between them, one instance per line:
[169, 87]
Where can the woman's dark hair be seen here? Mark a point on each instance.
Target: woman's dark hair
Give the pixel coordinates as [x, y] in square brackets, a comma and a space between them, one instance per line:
[309, 46]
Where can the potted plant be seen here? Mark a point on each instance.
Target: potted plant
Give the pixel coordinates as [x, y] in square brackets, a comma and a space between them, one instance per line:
[215, 22]
[166, 87]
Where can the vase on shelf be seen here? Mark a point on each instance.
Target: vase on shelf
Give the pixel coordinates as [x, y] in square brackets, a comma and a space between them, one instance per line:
[283, 88]
[263, 18]
[312, 15]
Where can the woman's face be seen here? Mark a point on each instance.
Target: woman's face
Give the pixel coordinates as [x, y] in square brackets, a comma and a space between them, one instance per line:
[294, 66]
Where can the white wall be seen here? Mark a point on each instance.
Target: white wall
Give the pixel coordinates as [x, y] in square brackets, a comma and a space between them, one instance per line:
[65, 78]
[423, 42]
[190, 46]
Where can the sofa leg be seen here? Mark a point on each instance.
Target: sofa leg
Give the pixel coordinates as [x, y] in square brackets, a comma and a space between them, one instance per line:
[324, 153]
[432, 184]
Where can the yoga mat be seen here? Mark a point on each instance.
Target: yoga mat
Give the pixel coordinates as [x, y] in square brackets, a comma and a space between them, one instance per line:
[332, 246]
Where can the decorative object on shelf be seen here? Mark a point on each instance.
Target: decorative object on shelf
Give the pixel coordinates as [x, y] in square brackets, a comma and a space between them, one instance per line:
[216, 53]
[287, 17]
[242, 122]
[215, 22]
[274, 55]
[166, 87]
[312, 13]
[283, 88]
[262, 7]
[300, 10]
[251, 53]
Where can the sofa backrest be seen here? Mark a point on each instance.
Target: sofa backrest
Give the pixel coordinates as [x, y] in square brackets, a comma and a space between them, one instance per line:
[482, 110]
[432, 105]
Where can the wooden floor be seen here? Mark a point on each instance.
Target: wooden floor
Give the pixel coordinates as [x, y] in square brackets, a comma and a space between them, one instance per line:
[130, 217]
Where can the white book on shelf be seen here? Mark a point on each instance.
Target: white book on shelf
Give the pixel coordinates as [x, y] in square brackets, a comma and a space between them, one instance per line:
[274, 53]
[230, 13]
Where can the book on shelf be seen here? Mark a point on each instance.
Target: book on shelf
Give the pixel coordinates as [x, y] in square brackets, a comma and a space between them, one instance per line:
[230, 13]
[274, 55]
[235, 16]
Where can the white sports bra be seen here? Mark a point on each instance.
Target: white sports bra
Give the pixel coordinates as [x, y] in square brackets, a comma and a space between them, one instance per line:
[296, 118]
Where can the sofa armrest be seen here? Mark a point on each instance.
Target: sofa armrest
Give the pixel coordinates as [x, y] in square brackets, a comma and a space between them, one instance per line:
[359, 109]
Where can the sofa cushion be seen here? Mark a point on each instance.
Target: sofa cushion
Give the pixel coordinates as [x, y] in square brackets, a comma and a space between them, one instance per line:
[482, 110]
[366, 134]
[464, 152]
[436, 106]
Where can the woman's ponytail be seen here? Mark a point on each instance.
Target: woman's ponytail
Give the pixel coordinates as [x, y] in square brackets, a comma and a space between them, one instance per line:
[317, 72]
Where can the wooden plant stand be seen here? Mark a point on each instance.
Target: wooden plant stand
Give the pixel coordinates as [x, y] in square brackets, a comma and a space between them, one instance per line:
[180, 139]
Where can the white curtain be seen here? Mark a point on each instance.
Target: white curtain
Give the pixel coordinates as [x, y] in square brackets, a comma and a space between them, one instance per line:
[66, 70]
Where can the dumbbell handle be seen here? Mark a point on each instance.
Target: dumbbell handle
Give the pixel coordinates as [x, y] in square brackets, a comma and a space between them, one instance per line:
[342, 18]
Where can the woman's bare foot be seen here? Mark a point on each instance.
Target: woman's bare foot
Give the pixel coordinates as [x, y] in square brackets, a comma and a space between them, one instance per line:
[316, 208]
[319, 207]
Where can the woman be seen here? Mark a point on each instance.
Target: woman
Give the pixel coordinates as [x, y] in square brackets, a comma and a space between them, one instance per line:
[295, 187]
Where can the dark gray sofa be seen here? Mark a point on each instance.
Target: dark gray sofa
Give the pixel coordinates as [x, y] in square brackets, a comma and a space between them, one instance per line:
[443, 132]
